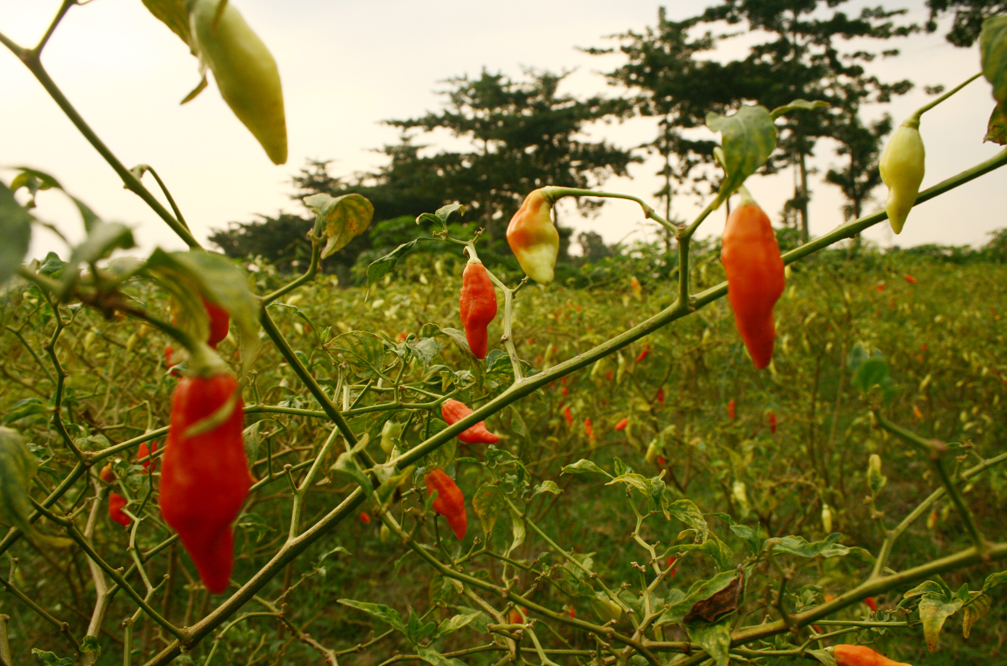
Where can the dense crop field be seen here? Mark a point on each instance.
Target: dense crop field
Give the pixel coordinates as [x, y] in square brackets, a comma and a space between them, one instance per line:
[759, 454]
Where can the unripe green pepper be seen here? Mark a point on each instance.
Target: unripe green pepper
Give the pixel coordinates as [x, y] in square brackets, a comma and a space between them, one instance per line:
[245, 71]
[533, 237]
[902, 166]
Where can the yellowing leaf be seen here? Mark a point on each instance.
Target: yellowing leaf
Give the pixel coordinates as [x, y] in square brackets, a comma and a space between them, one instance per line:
[339, 219]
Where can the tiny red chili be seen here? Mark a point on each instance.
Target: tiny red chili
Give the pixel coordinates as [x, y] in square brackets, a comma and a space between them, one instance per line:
[116, 503]
[454, 411]
[621, 425]
[567, 415]
[365, 518]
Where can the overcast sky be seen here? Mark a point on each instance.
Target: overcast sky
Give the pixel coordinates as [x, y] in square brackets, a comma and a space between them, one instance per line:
[348, 65]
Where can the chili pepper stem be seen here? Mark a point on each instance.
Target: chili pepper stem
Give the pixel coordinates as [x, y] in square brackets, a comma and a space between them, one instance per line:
[926, 107]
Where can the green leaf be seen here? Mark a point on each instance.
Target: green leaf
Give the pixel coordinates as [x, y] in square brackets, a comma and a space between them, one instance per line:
[90, 646]
[518, 531]
[548, 486]
[974, 611]
[637, 481]
[459, 339]
[926, 587]
[822, 657]
[934, 611]
[749, 536]
[189, 276]
[380, 612]
[715, 639]
[50, 659]
[424, 349]
[993, 54]
[17, 468]
[685, 511]
[584, 466]
[15, 229]
[872, 372]
[454, 623]
[339, 219]
[996, 128]
[798, 105]
[749, 138]
[346, 465]
[380, 267]
[993, 580]
[102, 239]
[253, 441]
[487, 502]
[699, 591]
[432, 656]
[799, 546]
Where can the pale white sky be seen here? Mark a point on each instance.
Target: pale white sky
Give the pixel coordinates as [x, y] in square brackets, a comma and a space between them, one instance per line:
[347, 65]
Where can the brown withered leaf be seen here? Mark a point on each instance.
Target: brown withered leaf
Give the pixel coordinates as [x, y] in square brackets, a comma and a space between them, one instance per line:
[719, 604]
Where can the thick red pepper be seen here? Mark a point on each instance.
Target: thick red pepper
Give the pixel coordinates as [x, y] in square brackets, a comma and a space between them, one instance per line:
[755, 278]
[204, 477]
[478, 306]
[219, 322]
[454, 411]
[116, 502]
[449, 502]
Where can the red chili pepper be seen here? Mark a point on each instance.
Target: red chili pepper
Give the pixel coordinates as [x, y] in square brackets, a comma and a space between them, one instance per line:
[881, 286]
[365, 518]
[478, 303]
[565, 391]
[730, 410]
[621, 425]
[454, 411]
[608, 373]
[567, 415]
[168, 352]
[661, 461]
[910, 279]
[219, 322]
[449, 502]
[772, 422]
[643, 354]
[861, 655]
[755, 279]
[588, 429]
[116, 502]
[660, 395]
[144, 452]
[872, 604]
[204, 478]
[671, 565]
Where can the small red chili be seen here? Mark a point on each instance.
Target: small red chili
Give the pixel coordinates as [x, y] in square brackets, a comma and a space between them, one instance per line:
[454, 411]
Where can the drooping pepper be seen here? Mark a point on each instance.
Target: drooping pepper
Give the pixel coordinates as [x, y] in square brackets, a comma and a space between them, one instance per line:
[755, 277]
[449, 502]
[902, 166]
[204, 477]
[861, 655]
[533, 237]
[245, 71]
[454, 411]
[478, 303]
[116, 503]
[142, 452]
[219, 322]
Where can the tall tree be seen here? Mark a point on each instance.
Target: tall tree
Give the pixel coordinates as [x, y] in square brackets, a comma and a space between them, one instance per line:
[968, 20]
[518, 136]
[800, 59]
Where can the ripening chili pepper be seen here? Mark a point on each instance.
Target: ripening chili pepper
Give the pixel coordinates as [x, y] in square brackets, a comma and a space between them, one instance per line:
[106, 474]
[672, 569]
[168, 353]
[772, 422]
[731, 413]
[589, 429]
[515, 616]
[755, 277]
[449, 502]
[567, 415]
[565, 391]
[621, 425]
[245, 71]
[533, 237]
[881, 286]
[917, 412]
[365, 518]
[219, 322]
[142, 452]
[116, 502]
[910, 279]
[873, 605]
[662, 461]
[454, 411]
[902, 165]
[609, 375]
[204, 477]
[861, 655]
[478, 303]
[660, 395]
[643, 354]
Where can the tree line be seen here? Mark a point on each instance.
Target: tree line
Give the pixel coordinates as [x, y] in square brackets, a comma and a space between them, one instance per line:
[525, 133]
